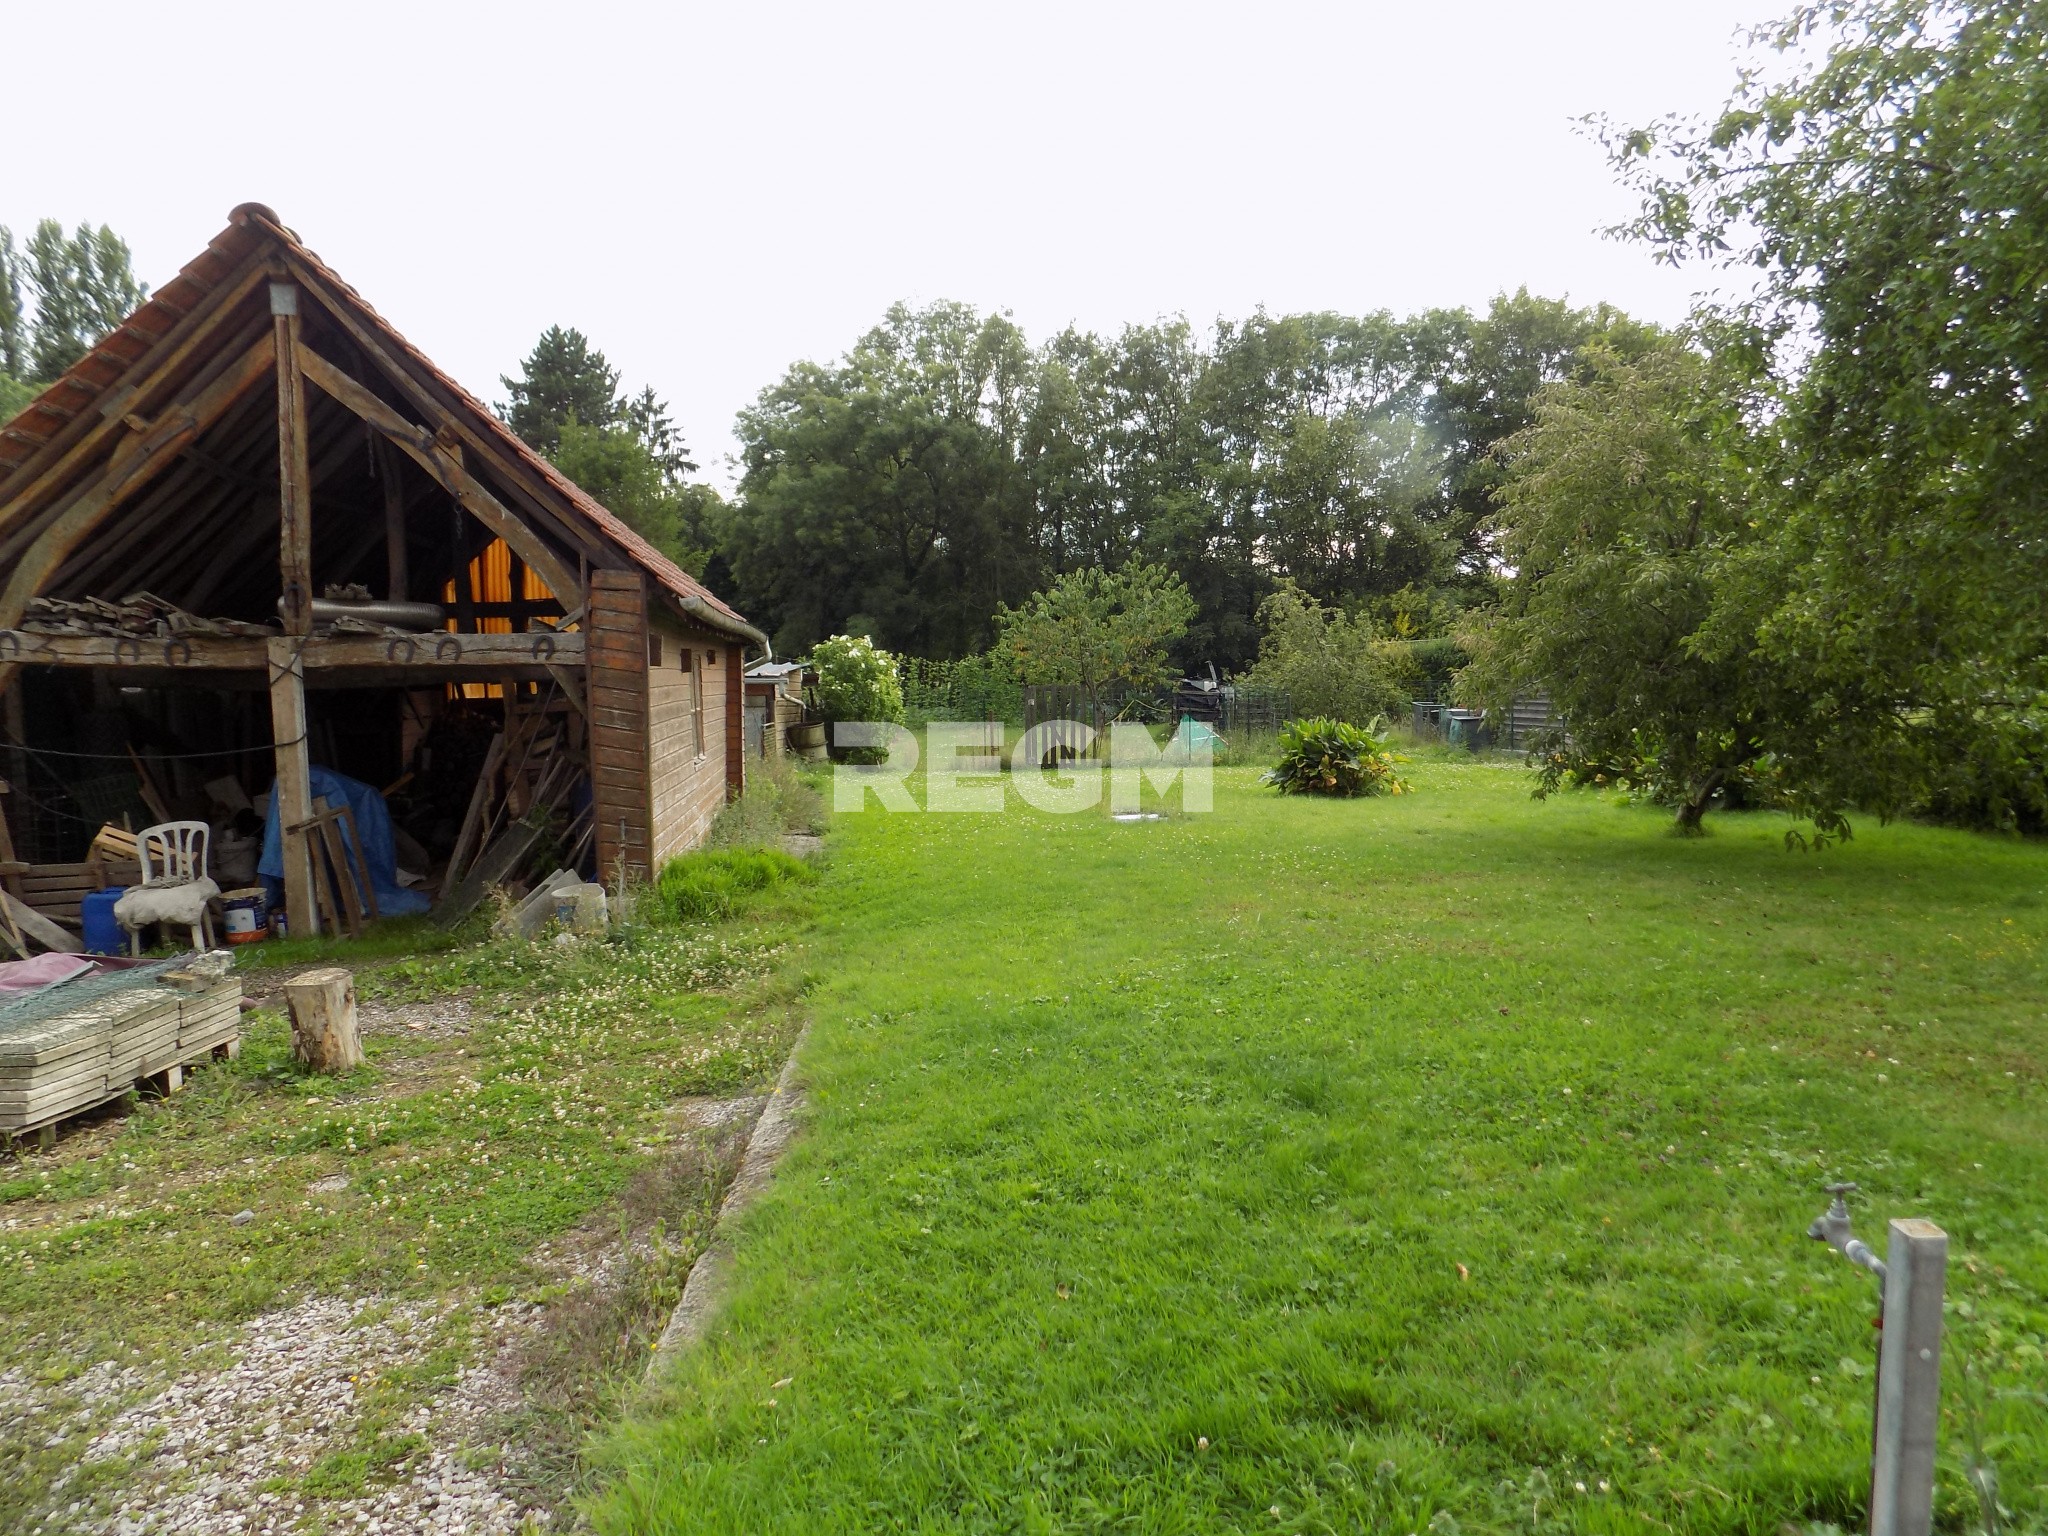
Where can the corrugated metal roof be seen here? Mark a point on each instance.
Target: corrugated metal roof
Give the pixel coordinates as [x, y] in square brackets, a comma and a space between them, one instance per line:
[92, 377]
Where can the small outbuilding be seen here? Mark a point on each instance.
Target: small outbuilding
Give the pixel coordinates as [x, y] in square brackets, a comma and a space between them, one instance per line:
[256, 535]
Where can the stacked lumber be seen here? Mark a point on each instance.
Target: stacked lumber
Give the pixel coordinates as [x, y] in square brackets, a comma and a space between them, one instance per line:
[58, 1059]
[529, 774]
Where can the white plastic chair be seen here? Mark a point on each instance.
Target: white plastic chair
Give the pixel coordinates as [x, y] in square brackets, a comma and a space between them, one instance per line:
[173, 853]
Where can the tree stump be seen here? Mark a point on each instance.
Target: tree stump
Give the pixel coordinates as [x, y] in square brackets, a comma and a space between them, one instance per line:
[323, 1006]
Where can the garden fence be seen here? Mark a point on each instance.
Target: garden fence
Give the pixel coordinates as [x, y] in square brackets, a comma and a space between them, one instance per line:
[973, 689]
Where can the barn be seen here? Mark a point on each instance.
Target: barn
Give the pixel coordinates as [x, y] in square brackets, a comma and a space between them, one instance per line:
[256, 540]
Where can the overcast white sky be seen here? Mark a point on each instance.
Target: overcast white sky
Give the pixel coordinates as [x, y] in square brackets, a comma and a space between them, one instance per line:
[713, 192]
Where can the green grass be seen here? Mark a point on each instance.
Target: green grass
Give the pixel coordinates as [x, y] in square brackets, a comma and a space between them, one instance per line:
[1388, 1165]
[715, 883]
[456, 1155]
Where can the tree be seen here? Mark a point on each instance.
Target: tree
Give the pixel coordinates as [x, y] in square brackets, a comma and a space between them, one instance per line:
[78, 288]
[625, 451]
[646, 417]
[617, 468]
[944, 468]
[887, 485]
[562, 379]
[1483, 376]
[1092, 628]
[1617, 508]
[1890, 196]
[1329, 663]
[13, 317]
[83, 287]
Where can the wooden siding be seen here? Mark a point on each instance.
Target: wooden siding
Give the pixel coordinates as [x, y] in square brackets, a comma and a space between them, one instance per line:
[687, 786]
[735, 712]
[617, 660]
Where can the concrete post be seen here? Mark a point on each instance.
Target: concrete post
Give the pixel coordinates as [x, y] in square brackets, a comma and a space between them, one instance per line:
[1909, 1382]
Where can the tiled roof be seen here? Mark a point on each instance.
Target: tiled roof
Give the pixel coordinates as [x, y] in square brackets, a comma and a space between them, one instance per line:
[82, 387]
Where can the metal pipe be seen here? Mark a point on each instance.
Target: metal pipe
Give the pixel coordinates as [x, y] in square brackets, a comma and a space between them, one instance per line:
[420, 616]
[1906, 1411]
[1832, 1227]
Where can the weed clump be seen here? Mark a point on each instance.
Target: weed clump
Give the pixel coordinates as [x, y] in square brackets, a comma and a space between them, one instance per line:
[778, 800]
[715, 883]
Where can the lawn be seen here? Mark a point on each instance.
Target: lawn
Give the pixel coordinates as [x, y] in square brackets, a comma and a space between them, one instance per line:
[1430, 1163]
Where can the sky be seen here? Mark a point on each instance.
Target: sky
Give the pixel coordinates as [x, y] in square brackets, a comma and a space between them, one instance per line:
[712, 193]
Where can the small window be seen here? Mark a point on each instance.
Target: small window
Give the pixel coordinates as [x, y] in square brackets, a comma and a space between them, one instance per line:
[654, 650]
[683, 659]
[711, 658]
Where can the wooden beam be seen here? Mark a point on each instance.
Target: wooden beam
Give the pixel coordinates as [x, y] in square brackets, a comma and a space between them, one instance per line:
[206, 570]
[39, 927]
[590, 541]
[444, 464]
[396, 577]
[294, 777]
[166, 437]
[294, 469]
[430, 656]
[173, 496]
[133, 391]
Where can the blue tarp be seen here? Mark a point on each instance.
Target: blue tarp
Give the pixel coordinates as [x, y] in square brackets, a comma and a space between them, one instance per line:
[373, 826]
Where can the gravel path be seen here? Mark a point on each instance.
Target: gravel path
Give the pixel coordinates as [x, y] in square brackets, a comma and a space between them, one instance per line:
[202, 1450]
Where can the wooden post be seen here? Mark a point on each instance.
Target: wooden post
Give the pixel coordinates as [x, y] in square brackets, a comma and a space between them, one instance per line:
[294, 470]
[323, 1007]
[397, 577]
[294, 779]
[1908, 1381]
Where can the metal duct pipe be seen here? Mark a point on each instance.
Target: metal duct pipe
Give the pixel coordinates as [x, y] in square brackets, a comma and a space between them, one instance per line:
[421, 616]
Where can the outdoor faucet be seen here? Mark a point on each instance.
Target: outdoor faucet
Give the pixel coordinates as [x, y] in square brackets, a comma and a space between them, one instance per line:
[1832, 1227]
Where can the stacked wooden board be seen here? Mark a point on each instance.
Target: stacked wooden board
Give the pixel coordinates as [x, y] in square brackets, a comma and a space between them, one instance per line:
[82, 1043]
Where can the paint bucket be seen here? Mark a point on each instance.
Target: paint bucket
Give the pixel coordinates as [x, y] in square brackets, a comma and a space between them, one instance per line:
[242, 916]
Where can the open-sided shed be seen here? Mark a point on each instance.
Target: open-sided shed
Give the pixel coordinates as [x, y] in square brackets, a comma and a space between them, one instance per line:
[254, 452]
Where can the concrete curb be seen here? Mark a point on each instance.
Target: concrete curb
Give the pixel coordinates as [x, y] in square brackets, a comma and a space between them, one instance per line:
[706, 1286]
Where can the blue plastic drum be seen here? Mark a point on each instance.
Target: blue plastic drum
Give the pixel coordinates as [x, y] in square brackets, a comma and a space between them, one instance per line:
[103, 936]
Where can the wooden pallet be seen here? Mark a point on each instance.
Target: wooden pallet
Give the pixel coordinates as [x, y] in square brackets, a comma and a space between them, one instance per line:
[82, 1059]
[59, 890]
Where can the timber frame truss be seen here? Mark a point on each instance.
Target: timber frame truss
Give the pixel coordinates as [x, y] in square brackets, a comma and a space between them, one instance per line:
[160, 462]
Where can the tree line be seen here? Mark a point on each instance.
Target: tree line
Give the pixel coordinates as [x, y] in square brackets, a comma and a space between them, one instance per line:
[1792, 553]
[945, 468]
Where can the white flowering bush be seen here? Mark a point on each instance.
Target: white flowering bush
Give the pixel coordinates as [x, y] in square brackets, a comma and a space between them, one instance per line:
[856, 680]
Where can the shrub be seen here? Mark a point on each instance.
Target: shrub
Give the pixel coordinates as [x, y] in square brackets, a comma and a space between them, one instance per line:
[1329, 663]
[715, 883]
[856, 681]
[1430, 667]
[1330, 757]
